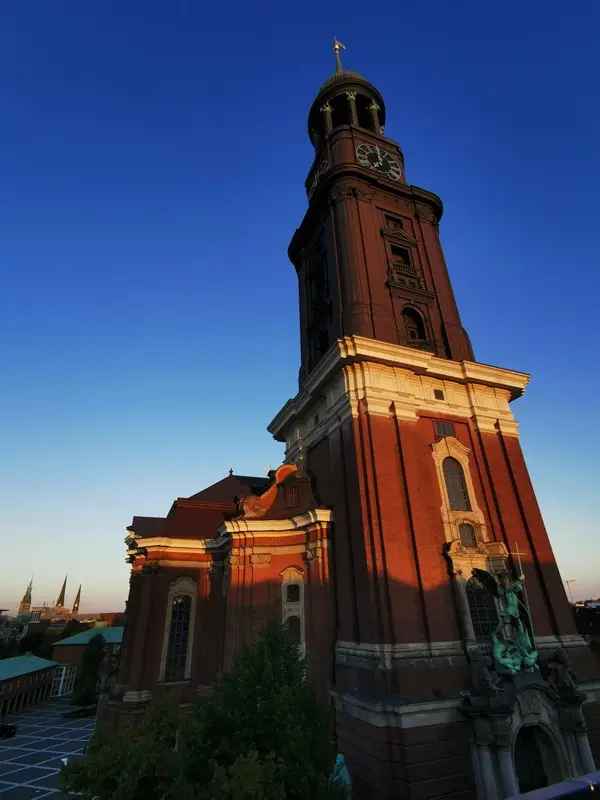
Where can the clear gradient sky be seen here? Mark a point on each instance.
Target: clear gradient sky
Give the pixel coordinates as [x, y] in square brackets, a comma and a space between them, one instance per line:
[152, 164]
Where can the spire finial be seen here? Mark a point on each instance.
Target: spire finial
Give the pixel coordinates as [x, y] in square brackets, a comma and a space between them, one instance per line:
[77, 601]
[337, 49]
[60, 602]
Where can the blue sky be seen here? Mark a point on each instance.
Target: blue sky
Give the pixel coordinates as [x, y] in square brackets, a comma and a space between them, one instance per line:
[152, 165]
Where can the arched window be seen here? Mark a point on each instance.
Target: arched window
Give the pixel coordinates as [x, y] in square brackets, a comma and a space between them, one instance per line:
[175, 667]
[414, 327]
[482, 606]
[178, 632]
[365, 118]
[456, 486]
[340, 111]
[467, 535]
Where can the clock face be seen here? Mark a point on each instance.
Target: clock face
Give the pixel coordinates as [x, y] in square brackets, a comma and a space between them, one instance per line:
[374, 157]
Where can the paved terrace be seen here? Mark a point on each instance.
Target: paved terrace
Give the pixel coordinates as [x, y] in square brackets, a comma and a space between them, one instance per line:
[30, 762]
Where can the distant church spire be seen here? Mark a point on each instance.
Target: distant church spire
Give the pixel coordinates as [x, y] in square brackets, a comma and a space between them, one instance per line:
[77, 601]
[60, 603]
[25, 604]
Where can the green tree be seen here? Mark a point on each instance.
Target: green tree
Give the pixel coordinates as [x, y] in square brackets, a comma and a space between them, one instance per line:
[260, 736]
[87, 680]
[140, 764]
[9, 647]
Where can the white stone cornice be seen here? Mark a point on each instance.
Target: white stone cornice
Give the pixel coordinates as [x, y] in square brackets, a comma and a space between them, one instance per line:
[360, 347]
[385, 379]
[384, 654]
[401, 715]
[137, 697]
[188, 545]
[264, 528]
[591, 689]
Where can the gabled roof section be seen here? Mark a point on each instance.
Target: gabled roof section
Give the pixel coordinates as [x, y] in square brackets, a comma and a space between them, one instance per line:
[199, 516]
[226, 489]
[147, 526]
[188, 519]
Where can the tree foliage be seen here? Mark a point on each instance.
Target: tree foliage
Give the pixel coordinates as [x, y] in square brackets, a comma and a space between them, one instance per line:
[87, 679]
[260, 736]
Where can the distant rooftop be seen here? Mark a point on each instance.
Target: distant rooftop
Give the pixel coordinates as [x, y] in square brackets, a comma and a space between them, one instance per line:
[110, 635]
[23, 665]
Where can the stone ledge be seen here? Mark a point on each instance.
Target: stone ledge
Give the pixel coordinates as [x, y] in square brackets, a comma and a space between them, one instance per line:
[373, 655]
[399, 715]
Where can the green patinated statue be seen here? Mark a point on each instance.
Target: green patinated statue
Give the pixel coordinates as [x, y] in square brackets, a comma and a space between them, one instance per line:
[512, 646]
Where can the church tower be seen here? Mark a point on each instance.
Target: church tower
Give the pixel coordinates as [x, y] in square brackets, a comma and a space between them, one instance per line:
[401, 542]
[413, 445]
[25, 604]
[367, 254]
[60, 600]
[77, 602]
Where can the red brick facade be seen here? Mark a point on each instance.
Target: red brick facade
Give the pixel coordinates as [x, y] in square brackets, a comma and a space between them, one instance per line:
[357, 541]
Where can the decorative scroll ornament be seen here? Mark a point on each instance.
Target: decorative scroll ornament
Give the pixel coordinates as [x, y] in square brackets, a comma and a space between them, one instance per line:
[512, 646]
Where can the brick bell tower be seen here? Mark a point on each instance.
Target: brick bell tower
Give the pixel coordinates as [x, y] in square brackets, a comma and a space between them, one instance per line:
[413, 445]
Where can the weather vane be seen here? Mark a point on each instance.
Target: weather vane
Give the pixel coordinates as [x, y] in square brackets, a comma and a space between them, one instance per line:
[337, 49]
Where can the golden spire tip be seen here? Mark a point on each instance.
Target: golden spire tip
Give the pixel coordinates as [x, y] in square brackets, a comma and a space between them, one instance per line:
[337, 49]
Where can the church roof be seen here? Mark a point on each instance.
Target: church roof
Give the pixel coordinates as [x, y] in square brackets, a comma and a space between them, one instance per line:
[199, 515]
[226, 489]
[147, 526]
[194, 521]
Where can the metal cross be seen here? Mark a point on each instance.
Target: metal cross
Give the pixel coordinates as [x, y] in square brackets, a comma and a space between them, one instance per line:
[337, 49]
[516, 552]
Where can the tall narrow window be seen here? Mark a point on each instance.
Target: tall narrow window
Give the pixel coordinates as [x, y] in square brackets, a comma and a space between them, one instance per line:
[467, 535]
[401, 259]
[340, 111]
[484, 614]
[456, 486]
[178, 638]
[443, 428]
[292, 604]
[365, 118]
[414, 327]
[292, 593]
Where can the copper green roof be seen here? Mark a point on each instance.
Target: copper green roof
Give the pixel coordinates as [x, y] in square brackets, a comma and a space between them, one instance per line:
[23, 665]
[110, 636]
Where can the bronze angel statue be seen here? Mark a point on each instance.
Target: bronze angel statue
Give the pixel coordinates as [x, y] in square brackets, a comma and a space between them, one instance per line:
[512, 645]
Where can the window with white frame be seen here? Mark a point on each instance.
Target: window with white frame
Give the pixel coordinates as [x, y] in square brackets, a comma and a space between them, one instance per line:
[292, 604]
[176, 661]
[456, 486]
[179, 633]
[63, 680]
